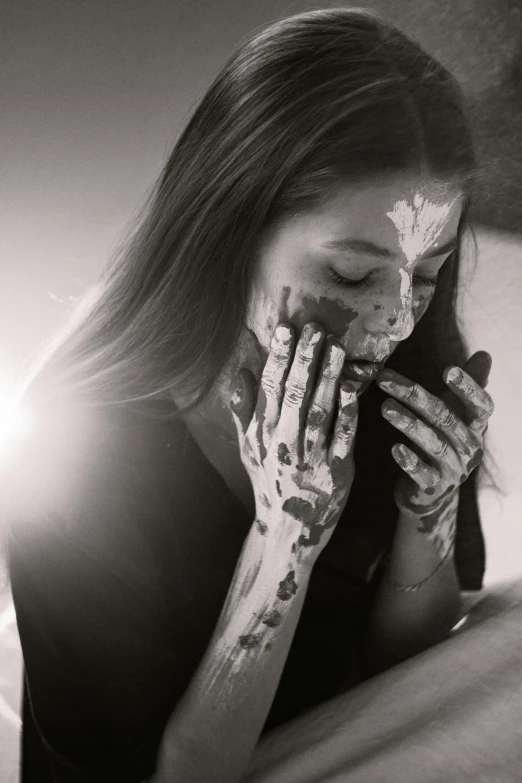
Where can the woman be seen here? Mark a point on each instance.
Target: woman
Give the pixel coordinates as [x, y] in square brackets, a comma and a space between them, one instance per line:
[192, 568]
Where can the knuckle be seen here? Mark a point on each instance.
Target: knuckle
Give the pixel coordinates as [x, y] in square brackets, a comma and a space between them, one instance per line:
[446, 418]
[345, 433]
[304, 353]
[269, 382]
[441, 448]
[330, 373]
[348, 413]
[294, 392]
[432, 479]
[316, 414]
[347, 422]
[334, 359]
[319, 410]
[409, 424]
[413, 393]
[279, 353]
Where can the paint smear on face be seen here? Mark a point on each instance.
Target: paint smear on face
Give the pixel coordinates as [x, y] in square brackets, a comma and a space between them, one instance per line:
[419, 222]
[404, 320]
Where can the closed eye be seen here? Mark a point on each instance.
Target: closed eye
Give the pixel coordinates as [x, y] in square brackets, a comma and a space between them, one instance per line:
[366, 281]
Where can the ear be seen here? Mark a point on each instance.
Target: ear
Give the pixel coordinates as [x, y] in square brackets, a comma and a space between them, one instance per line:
[243, 401]
[479, 366]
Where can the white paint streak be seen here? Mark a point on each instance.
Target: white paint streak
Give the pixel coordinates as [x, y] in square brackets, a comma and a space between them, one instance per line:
[250, 600]
[404, 323]
[419, 223]
[267, 560]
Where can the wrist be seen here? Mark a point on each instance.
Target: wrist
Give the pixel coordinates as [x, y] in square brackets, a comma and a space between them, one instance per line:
[391, 580]
[415, 556]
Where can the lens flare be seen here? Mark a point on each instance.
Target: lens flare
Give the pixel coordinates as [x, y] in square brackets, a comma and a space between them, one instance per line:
[16, 421]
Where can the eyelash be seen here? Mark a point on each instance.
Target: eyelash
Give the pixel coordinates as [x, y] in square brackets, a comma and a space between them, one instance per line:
[432, 282]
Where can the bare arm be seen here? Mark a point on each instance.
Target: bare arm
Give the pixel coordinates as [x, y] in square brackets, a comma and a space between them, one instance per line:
[214, 729]
[301, 479]
[405, 623]
[449, 434]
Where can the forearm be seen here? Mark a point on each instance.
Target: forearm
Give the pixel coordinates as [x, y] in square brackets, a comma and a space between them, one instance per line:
[215, 727]
[402, 623]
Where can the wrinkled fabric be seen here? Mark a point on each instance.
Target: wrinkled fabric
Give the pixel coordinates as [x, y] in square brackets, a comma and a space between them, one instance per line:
[452, 714]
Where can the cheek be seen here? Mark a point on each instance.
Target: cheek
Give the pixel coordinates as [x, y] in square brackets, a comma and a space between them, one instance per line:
[266, 309]
[332, 314]
[298, 308]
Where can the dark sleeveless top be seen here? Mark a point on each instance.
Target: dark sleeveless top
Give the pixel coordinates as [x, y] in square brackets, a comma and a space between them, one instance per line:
[118, 590]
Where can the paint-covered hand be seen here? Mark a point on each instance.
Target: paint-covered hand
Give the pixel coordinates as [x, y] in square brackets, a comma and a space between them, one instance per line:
[448, 441]
[301, 477]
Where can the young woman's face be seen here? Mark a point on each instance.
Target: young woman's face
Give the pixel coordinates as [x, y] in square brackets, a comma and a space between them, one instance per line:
[297, 276]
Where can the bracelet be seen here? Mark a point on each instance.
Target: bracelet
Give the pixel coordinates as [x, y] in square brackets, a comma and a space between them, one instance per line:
[409, 588]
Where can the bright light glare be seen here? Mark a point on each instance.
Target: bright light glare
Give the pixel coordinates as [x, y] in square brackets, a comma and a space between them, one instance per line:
[16, 421]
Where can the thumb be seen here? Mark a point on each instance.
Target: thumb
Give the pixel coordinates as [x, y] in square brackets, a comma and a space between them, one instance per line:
[243, 400]
[479, 366]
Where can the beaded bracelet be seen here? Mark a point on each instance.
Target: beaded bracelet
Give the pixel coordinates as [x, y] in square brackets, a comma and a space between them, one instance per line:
[409, 588]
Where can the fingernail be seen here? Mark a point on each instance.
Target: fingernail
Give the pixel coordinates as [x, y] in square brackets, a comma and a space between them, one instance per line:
[454, 375]
[409, 458]
[283, 334]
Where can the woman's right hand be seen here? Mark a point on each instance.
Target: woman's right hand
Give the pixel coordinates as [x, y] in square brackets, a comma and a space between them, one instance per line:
[301, 480]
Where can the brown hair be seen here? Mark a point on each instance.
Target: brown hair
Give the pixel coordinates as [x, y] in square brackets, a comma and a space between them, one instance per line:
[312, 101]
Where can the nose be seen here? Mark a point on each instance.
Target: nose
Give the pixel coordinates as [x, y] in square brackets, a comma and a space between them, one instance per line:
[395, 318]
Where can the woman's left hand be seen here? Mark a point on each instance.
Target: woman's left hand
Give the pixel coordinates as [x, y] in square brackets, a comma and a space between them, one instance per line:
[447, 431]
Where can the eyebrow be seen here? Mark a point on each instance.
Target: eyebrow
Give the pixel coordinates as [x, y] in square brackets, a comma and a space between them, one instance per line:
[366, 248]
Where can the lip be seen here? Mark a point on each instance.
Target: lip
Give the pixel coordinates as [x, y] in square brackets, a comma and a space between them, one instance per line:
[361, 370]
[361, 360]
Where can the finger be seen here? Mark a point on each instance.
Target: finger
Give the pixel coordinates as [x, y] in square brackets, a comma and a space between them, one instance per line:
[298, 385]
[424, 475]
[345, 427]
[430, 408]
[420, 433]
[272, 382]
[321, 410]
[467, 389]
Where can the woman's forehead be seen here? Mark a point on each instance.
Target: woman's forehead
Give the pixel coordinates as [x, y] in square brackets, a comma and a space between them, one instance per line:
[405, 215]
[365, 202]
[422, 222]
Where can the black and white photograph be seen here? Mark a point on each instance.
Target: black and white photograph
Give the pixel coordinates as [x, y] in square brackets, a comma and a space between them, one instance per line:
[260, 383]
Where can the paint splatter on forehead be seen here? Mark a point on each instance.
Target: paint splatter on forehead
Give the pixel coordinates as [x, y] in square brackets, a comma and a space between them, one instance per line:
[419, 222]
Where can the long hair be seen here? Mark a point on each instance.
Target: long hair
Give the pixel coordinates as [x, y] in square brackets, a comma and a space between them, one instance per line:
[311, 102]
